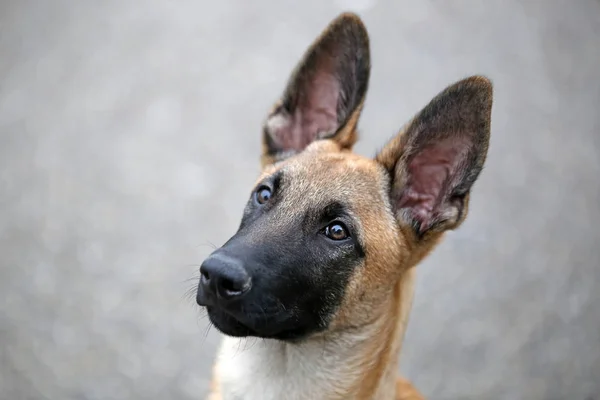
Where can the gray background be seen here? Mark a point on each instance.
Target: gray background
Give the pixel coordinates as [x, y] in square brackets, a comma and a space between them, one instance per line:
[129, 141]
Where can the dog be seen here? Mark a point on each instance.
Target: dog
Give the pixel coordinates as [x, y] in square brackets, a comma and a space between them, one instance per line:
[322, 267]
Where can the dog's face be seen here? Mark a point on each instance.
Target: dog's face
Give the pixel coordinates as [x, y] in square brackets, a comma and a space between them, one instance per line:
[310, 226]
[326, 233]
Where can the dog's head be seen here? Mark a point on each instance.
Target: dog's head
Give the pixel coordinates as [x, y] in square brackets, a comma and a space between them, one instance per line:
[326, 233]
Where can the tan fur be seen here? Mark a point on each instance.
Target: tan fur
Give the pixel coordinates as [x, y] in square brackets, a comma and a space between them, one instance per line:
[357, 357]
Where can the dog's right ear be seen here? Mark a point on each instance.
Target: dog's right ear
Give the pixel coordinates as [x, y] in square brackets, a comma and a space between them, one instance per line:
[325, 93]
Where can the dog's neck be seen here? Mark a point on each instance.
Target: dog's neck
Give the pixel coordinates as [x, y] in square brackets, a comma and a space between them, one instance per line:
[355, 364]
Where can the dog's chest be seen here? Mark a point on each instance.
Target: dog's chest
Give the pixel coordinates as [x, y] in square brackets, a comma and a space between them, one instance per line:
[270, 371]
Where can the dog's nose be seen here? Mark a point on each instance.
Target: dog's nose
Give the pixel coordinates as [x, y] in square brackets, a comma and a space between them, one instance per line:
[224, 277]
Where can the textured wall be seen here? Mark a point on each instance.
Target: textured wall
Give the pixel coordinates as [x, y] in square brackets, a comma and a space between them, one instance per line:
[129, 140]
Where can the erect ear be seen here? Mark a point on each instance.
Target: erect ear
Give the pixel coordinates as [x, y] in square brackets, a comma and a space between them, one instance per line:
[436, 159]
[324, 94]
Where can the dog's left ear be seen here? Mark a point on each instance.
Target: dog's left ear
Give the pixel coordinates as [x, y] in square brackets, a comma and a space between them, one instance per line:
[436, 159]
[324, 94]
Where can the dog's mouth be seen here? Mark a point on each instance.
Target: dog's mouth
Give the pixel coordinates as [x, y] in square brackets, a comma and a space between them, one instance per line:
[263, 325]
[227, 324]
[265, 318]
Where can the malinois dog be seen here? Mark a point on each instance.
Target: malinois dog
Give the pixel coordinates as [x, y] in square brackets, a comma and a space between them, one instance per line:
[322, 265]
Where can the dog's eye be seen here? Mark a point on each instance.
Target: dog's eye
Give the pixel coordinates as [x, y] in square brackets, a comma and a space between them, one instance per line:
[263, 194]
[336, 231]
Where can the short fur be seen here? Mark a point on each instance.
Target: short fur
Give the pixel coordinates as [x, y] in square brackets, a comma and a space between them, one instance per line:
[332, 308]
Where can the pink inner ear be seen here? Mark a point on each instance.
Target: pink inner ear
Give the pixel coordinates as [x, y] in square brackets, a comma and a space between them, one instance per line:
[432, 172]
[315, 113]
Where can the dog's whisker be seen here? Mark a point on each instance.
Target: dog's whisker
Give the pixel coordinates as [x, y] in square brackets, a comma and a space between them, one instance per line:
[194, 278]
[206, 332]
[208, 244]
[239, 344]
[190, 294]
[280, 304]
[191, 265]
[253, 343]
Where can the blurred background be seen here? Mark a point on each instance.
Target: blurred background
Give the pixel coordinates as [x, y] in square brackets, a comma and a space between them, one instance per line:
[129, 142]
